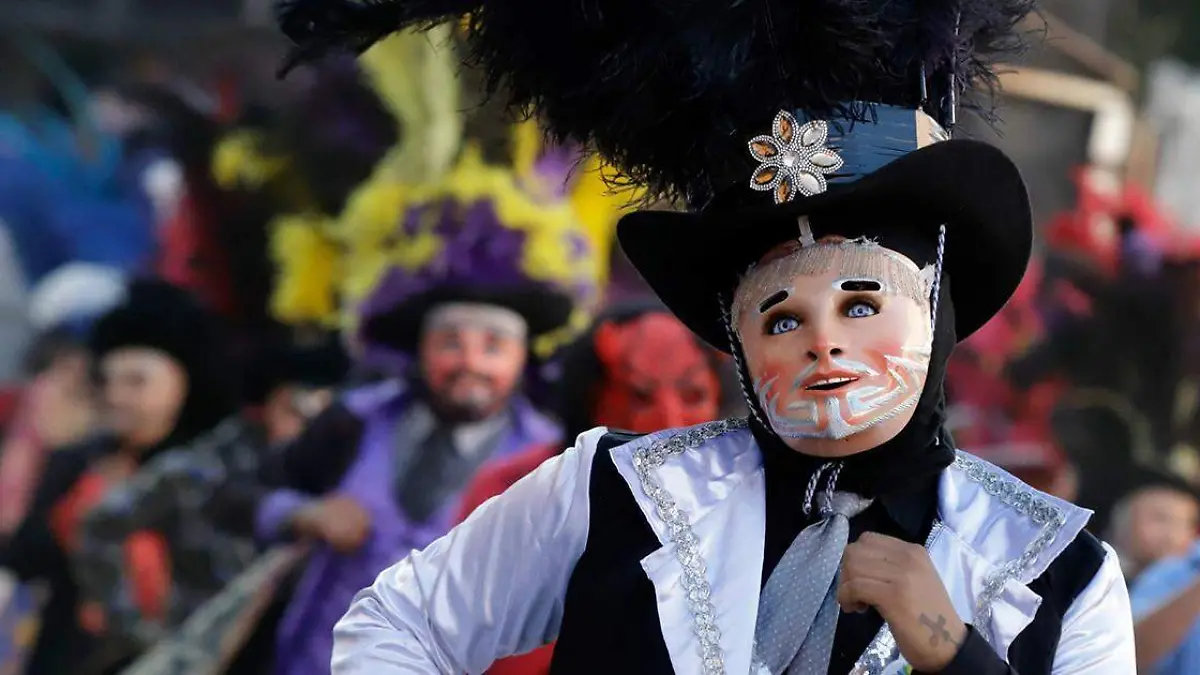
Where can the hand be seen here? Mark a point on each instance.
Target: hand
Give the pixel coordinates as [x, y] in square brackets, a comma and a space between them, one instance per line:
[338, 521]
[898, 579]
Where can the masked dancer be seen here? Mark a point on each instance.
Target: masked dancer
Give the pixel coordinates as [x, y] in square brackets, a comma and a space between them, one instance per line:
[838, 244]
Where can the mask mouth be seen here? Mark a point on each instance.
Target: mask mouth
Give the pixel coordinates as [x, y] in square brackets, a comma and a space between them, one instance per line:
[831, 383]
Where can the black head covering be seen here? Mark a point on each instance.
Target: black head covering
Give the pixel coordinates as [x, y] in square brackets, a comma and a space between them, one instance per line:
[163, 317]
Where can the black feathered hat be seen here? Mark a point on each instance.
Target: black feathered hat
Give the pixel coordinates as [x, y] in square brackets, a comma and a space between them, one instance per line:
[754, 114]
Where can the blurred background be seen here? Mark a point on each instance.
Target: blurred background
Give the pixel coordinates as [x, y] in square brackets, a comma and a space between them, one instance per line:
[150, 142]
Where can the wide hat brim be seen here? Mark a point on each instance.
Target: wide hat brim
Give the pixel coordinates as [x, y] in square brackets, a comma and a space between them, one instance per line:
[691, 260]
[159, 316]
[544, 310]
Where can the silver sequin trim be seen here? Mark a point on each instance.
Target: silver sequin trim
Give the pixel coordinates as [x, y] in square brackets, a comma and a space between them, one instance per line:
[882, 650]
[679, 531]
[1028, 503]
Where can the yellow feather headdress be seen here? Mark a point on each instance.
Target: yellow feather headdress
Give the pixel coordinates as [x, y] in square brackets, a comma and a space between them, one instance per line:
[327, 267]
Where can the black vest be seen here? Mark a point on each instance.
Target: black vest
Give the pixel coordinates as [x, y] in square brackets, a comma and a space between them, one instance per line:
[610, 619]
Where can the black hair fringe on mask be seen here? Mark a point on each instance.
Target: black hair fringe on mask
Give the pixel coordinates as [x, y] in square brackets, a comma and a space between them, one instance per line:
[669, 89]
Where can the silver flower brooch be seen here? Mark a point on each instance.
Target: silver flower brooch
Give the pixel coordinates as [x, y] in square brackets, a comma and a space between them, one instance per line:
[793, 159]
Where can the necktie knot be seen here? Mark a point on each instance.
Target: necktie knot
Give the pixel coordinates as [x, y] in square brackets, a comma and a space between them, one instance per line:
[845, 504]
[797, 610]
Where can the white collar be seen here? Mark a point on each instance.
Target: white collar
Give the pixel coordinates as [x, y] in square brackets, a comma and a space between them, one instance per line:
[701, 491]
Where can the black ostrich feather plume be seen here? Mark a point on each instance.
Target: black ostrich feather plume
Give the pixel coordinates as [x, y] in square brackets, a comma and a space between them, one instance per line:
[671, 90]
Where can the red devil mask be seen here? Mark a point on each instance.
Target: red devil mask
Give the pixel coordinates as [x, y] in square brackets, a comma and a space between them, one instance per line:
[656, 376]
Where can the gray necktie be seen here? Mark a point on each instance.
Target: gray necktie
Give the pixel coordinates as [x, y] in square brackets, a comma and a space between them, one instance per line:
[797, 610]
[440, 470]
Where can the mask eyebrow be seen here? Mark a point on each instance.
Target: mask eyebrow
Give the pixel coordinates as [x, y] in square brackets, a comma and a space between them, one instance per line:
[860, 285]
[771, 301]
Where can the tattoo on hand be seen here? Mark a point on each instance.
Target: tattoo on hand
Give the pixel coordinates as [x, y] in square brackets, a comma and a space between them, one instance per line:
[937, 630]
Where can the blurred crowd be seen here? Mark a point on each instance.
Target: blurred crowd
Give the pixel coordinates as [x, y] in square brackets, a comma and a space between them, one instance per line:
[276, 345]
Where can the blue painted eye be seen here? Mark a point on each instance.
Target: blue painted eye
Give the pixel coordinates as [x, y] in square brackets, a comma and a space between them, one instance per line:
[861, 310]
[785, 324]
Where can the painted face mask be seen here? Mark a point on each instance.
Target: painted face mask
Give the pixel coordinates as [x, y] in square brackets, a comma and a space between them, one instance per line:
[656, 376]
[472, 357]
[837, 336]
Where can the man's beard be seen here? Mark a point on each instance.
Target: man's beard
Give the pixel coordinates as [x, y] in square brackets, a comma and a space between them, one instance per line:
[477, 403]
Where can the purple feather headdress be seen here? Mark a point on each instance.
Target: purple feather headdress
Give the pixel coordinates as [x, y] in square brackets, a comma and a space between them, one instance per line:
[545, 250]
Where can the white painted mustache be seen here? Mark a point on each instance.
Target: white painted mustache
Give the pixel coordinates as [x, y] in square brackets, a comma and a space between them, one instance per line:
[847, 365]
[798, 419]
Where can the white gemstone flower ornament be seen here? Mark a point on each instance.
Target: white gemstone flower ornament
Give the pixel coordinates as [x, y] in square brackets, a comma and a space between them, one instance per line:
[793, 159]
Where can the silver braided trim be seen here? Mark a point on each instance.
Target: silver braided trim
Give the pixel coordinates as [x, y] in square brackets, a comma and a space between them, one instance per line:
[1028, 503]
[937, 275]
[882, 650]
[646, 461]
[735, 349]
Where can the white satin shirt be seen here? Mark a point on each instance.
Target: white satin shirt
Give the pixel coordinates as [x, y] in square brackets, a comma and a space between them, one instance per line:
[495, 585]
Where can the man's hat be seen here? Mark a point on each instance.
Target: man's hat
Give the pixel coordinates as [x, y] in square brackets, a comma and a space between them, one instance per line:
[482, 234]
[157, 315]
[756, 114]
[450, 216]
[1146, 477]
[543, 308]
[311, 361]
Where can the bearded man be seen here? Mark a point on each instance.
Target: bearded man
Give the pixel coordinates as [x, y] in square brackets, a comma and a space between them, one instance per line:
[380, 471]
